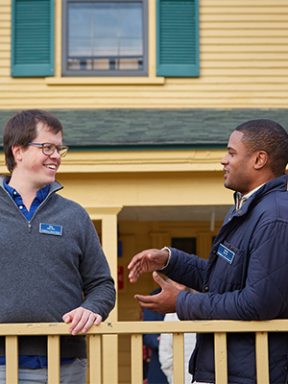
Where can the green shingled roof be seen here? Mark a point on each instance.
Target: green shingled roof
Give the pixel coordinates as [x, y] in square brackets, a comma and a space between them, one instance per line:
[153, 129]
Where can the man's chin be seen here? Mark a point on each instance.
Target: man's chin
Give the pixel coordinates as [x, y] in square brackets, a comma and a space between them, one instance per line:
[228, 186]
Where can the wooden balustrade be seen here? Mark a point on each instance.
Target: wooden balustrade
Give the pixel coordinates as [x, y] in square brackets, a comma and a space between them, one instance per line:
[220, 328]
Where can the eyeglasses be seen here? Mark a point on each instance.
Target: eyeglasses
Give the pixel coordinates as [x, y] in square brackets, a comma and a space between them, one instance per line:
[48, 148]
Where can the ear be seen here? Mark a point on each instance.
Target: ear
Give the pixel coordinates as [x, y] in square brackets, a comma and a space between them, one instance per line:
[261, 160]
[17, 151]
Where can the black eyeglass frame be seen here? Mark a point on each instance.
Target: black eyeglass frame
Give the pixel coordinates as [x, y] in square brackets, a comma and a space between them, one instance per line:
[58, 147]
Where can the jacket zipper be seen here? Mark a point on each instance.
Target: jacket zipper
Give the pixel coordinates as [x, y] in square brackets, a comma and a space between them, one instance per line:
[43, 202]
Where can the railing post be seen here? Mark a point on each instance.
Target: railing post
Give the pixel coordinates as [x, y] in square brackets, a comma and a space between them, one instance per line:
[262, 358]
[11, 359]
[220, 355]
[53, 359]
[136, 359]
[178, 358]
[95, 359]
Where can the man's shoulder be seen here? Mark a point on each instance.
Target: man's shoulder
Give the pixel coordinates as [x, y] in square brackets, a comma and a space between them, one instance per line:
[68, 203]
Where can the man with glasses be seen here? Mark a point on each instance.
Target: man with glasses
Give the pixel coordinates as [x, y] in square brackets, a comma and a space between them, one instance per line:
[50, 252]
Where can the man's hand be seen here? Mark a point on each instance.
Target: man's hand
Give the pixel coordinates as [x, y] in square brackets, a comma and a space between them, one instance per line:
[81, 319]
[147, 261]
[163, 302]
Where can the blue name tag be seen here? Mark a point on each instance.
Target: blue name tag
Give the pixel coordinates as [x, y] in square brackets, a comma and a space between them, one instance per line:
[225, 253]
[50, 229]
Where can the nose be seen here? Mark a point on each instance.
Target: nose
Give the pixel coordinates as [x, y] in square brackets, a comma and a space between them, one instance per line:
[56, 155]
[224, 160]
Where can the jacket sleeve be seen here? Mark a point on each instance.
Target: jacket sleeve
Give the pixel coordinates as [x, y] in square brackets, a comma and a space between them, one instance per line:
[265, 294]
[98, 285]
[186, 269]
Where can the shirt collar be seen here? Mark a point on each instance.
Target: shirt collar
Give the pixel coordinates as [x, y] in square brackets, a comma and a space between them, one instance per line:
[40, 195]
[240, 200]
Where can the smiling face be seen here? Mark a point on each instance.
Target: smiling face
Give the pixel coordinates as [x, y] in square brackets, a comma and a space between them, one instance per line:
[36, 168]
[239, 165]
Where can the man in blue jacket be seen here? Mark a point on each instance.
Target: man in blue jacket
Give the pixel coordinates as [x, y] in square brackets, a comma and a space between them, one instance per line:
[245, 277]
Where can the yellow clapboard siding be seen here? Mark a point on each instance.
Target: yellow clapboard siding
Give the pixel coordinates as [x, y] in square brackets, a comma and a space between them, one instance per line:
[5, 40]
[4, 55]
[246, 3]
[38, 83]
[243, 10]
[136, 97]
[4, 32]
[242, 24]
[247, 87]
[5, 24]
[4, 9]
[234, 40]
[253, 63]
[184, 94]
[5, 48]
[243, 48]
[235, 17]
[171, 87]
[207, 103]
[136, 102]
[4, 63]
[263, 56]
[24, 80]
[5, 71]
[6, 3]
[244, 32]
[244, 72]
[227, 80]
[4, 17]
[243, 63]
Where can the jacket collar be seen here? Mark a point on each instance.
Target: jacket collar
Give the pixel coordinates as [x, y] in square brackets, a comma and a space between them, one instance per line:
[54, 187]
[278, 184]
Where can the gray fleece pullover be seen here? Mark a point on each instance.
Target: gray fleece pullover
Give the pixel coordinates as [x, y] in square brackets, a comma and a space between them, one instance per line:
[42, 276]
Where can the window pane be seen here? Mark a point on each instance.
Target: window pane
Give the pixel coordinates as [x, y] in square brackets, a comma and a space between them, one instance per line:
[105, 35]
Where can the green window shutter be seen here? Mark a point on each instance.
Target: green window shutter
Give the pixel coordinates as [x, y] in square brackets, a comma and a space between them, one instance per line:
[32, 43]
[177, 38]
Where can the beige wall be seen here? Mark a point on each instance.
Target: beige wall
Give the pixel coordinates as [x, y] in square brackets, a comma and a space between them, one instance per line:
[243, 64]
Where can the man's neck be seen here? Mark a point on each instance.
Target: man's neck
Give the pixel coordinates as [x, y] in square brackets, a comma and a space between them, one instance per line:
[25, 189]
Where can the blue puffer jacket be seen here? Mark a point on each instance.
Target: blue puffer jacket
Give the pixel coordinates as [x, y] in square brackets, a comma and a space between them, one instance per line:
[253, 287]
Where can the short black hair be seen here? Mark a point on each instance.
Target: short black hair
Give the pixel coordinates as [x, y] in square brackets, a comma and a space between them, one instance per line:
[269, 136]
[22, 129]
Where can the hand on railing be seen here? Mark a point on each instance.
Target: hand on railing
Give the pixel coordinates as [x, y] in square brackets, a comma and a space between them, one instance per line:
[163, 302]
[147, 261]
[81, 320]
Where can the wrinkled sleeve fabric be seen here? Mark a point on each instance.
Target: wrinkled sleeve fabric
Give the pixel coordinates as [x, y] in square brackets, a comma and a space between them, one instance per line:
[266, 292]
[186, 269]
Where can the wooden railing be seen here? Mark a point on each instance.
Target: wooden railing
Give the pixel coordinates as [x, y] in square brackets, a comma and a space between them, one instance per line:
[136, 329]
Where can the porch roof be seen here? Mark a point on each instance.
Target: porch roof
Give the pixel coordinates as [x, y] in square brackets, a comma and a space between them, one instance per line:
[135, 129]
